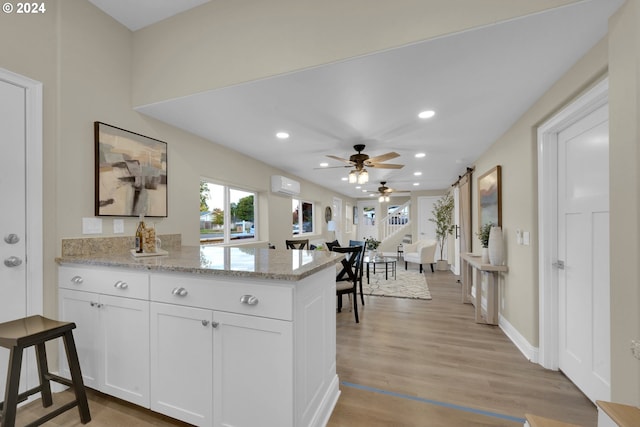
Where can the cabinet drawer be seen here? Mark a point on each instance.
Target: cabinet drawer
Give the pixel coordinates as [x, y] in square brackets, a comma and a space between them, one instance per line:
[236, 296]
[109, 281]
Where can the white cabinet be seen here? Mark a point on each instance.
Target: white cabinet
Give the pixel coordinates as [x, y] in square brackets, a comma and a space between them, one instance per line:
[252, 371]
[210, 350]
[208, 367]
[182, 362]
[237, 360]
[112, 332]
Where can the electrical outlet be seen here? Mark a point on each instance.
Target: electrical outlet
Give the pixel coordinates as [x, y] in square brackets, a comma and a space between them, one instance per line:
[635, 348]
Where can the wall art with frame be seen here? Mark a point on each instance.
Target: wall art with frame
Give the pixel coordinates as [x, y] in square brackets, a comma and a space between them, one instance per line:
[130, 173]
[490, 197]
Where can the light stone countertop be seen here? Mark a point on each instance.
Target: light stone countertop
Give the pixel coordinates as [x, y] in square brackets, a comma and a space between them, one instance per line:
[259, 263]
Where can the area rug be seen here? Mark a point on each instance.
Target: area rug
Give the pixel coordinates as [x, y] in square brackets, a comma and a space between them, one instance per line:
[408, 284]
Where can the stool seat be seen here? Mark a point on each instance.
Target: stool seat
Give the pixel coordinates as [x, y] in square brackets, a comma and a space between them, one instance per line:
[31, 330]
[16, 335]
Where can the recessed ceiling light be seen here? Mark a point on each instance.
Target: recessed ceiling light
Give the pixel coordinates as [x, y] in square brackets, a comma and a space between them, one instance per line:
[324, 164]
[344, 178]
[427, 114]
[420, 155]
[415, 184]
[358, 187]
[282, 135]
[417, 173]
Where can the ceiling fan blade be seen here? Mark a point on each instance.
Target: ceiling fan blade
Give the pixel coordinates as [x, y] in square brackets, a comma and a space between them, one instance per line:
[340, 159]
[385, 166]
[382, 157]
[334, 167]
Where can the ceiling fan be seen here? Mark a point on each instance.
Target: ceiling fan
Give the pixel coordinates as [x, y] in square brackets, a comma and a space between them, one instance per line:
[358, 161]
[384, 192]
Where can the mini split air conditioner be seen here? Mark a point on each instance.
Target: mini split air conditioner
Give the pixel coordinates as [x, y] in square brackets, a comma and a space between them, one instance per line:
[284, 185]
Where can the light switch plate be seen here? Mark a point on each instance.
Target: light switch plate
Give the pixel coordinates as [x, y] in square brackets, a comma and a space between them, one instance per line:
[91, 225]
[526, 238]
[118, 226]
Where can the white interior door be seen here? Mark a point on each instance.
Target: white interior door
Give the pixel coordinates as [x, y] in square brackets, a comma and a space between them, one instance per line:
[367, 224]
[583, 253]
[455, 263]
[13, 277]
[426, 228]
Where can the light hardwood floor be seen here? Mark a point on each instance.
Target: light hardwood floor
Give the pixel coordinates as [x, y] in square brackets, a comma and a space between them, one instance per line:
[411, 363]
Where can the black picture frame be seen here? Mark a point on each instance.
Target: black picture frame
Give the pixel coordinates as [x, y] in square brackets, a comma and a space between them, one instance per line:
[130, 173]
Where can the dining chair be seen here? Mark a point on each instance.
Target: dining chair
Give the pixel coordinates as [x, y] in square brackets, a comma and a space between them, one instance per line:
[347, 278]
[334, 244]
[360, 262]
[297, 244]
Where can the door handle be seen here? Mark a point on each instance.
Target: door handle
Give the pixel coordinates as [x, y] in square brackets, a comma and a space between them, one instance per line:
[559, 265]
[12, 261]
[11, 239]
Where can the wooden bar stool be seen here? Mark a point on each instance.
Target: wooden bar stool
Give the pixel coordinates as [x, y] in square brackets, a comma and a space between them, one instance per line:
[17, 335]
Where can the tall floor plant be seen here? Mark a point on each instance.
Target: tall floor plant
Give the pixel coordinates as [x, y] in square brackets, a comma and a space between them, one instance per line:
[443, 218]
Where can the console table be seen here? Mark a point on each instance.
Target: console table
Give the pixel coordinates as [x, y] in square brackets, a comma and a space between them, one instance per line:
[473, 264]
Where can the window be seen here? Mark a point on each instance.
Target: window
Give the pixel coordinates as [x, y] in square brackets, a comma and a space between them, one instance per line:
[397, 215]
[302, 218]
[226, 214]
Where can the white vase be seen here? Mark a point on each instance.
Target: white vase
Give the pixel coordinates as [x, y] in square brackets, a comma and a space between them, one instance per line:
[485, 255]
[496, 246]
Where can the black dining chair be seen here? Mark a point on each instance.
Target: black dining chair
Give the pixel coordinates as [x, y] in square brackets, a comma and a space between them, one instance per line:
[360, 262]
[348, 277]
[334, 244]
[297, 244]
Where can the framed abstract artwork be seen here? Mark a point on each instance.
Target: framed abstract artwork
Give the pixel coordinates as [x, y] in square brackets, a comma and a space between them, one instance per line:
[130, 173]
[490, 197]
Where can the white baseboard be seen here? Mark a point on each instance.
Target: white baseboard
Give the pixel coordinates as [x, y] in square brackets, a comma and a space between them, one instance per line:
[529, 351]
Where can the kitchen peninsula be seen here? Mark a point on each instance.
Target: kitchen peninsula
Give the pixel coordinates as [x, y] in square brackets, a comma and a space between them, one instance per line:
[214, 336]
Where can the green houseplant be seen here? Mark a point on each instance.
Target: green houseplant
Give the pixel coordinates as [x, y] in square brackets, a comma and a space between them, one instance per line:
[443, 219]
[483, 235]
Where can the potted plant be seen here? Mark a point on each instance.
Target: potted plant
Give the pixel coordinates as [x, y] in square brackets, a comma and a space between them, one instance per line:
[372, 246]
[483, 235]
[443, 218]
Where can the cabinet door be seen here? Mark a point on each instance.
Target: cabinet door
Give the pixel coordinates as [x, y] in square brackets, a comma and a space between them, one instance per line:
[124, 348]
[181, 362]
[81, 308]
[253, 371]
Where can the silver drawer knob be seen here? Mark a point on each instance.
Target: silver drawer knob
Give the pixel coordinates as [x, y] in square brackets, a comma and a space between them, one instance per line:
[76, 280]
[181, 292]
[120, 285]
[249, 300]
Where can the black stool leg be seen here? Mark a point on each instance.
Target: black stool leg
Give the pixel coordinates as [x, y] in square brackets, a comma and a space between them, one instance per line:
[11, 390]
[76, 377]
[43, 371]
